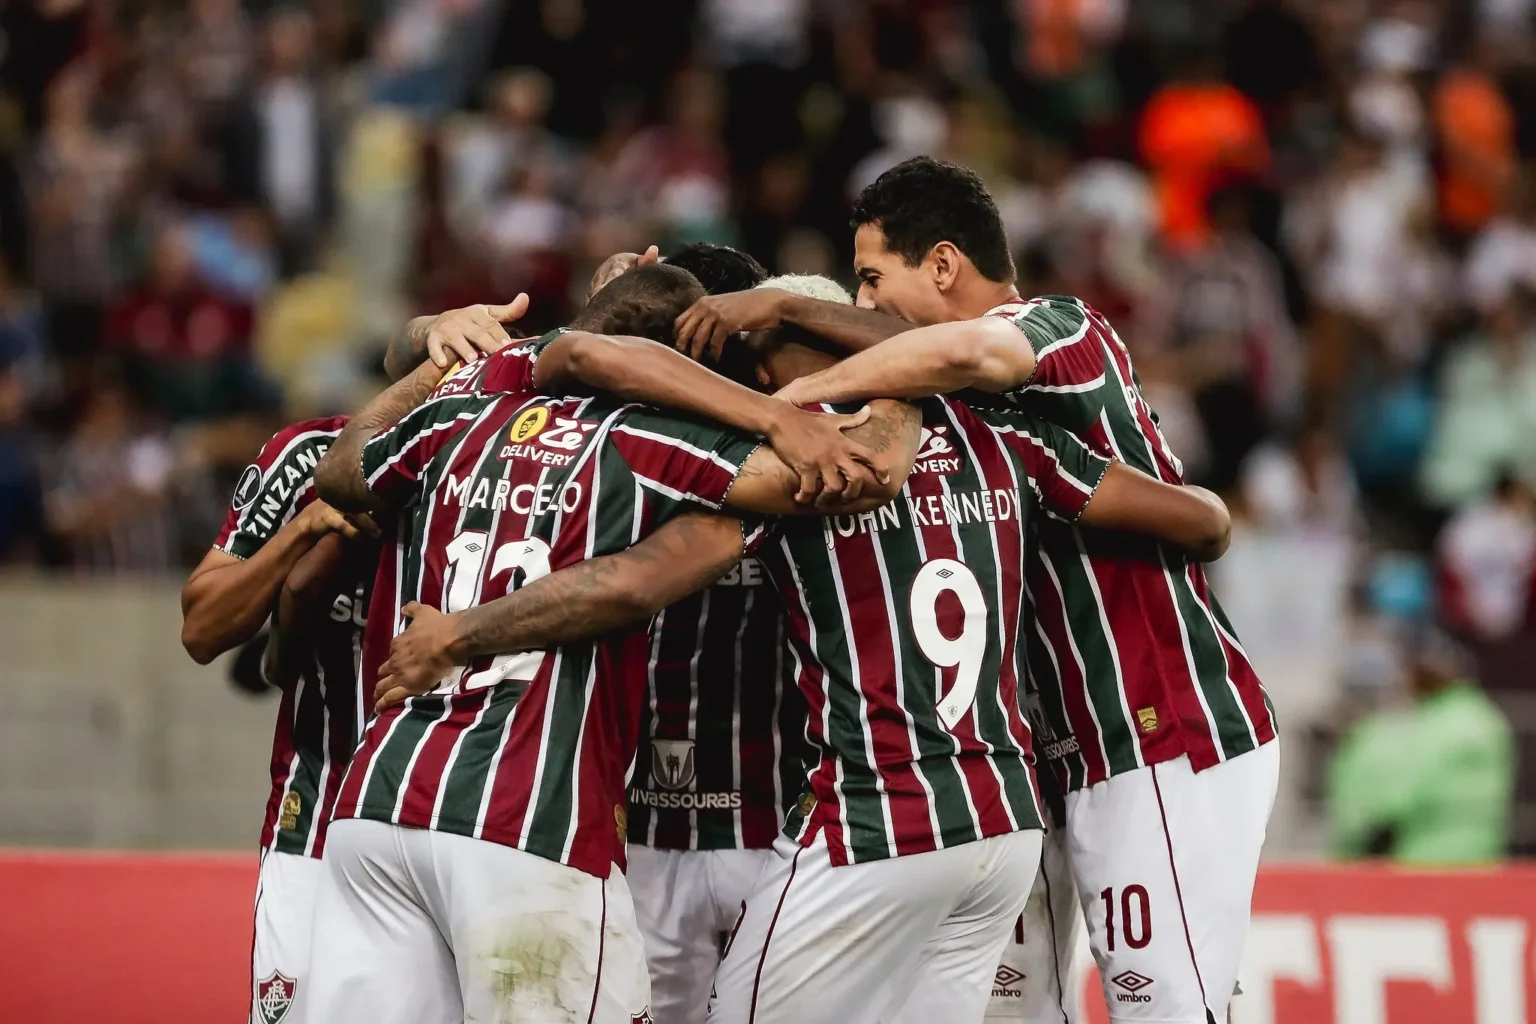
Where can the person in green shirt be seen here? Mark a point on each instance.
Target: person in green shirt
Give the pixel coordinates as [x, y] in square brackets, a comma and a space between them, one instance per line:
[1430, 784]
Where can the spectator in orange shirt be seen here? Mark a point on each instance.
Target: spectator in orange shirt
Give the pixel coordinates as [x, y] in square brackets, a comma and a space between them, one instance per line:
[1196, 132]
[1476, 132]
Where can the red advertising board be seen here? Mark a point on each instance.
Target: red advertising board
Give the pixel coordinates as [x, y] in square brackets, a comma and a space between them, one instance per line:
[142, 939]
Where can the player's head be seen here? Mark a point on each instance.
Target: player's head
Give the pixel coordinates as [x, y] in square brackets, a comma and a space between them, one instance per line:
[921, 230]
[719, 268]
[643, 302]
[770, 359]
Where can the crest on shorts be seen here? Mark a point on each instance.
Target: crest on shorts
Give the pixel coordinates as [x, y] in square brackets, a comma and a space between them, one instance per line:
[672, 763]
[274, 996]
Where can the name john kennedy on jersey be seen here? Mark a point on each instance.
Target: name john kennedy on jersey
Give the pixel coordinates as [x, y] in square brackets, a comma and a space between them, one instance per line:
[994, 506]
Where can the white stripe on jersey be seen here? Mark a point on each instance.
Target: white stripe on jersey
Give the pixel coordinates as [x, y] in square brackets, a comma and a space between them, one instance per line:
[899, 671]
[673, 442]
[858, 687]
[1077, 655]
[424, 434]
[1003, 647]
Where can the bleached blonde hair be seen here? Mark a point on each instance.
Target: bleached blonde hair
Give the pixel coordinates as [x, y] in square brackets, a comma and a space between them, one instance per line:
[810, 286]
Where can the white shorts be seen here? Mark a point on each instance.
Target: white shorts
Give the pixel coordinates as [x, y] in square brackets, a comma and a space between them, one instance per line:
[285, 912]
[686, 903]
[1164, 859]
[1035, 982]
[420, 927]
[909, 940]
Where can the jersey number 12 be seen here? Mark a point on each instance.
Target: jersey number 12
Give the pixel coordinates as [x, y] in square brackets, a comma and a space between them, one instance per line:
[462, 587]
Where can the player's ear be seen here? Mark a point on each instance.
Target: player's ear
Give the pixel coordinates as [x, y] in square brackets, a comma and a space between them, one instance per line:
[944, 262]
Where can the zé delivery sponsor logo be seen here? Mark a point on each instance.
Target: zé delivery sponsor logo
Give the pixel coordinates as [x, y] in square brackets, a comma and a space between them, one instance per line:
[550, 440]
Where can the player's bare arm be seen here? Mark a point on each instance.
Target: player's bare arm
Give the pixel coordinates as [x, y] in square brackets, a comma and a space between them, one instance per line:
[829, 463]
[226, 599]
[458, 334]
[339, 475]
[988, 354]
[577, 603]
[300, 602]
[1189, 517]
[708, 323]
[891, 435]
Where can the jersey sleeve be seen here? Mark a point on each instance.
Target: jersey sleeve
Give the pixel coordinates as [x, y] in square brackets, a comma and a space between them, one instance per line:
[681, 462]
[1062, 472]
[1063, 333]
[276, 485]
[394, 459]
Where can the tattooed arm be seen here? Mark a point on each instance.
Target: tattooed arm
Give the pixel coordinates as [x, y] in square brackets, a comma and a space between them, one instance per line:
[576, 603]
[890, 435]
[339, 476]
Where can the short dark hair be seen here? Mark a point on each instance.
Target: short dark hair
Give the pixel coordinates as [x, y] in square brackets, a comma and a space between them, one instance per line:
[719, 268]
[643, 302]
[922, 201]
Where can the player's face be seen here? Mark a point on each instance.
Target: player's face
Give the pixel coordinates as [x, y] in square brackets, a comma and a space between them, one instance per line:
[886, 282]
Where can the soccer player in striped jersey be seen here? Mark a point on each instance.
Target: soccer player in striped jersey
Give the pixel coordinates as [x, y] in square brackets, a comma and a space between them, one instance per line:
[479, 823]
[1150, 714]
[281, 547]
[902, 775]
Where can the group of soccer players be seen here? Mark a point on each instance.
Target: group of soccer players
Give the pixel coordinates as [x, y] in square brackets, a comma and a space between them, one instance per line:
[727, 655]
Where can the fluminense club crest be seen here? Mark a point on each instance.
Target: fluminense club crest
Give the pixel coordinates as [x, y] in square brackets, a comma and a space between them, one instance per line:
[672, 763]
[274, 997]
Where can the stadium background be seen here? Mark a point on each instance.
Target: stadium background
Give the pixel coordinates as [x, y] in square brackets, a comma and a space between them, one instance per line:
[1314, 223]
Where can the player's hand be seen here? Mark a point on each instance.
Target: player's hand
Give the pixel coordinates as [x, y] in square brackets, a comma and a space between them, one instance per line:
[317, 519]
[465, 334]
[705, 326]
[418, 658]
[832, 467]
[618, 264]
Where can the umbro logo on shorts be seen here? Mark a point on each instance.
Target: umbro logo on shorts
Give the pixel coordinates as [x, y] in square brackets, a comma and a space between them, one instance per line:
[1133, 983]
[1005, 984]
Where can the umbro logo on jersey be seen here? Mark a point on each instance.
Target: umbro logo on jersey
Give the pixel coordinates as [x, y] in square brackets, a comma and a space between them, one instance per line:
[1132, 983]
[934, 452]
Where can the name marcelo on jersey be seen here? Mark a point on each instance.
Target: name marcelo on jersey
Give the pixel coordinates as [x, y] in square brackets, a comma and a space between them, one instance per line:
[998, 505]
[523, 499]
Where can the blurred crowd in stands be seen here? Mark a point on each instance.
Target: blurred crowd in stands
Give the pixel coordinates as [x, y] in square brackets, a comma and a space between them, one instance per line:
[1312, 221]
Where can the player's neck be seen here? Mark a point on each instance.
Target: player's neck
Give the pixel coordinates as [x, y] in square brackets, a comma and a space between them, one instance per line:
[973, 296]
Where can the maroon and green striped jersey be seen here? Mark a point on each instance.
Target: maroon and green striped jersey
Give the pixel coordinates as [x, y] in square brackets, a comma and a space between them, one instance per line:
[320, 718]
[1136, 663]
[908, 626]
[496, 489]
[721, 727]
